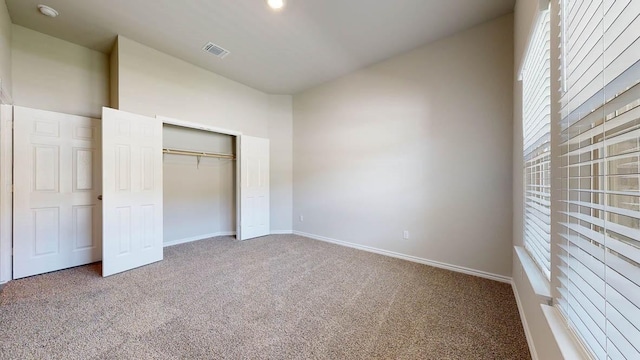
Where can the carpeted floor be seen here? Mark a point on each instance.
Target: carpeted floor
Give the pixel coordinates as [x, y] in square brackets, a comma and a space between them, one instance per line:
[278, 297]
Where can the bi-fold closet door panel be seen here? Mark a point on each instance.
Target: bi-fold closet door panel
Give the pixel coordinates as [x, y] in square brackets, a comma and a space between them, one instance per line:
[254, 188]
[57, 176]
[132, 191]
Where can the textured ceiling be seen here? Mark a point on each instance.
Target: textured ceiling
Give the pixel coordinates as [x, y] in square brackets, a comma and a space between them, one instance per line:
[307, 43]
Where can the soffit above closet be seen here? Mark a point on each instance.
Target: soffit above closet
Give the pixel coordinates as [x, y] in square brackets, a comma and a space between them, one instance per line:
[306, 44]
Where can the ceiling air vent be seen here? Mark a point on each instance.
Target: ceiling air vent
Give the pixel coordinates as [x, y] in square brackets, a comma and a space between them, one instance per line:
[215, 50]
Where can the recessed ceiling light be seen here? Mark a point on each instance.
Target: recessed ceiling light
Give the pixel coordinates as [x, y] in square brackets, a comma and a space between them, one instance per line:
[276, 4]
[47, 11]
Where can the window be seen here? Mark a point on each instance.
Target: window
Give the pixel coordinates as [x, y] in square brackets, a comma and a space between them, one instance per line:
[536, 120]
[599, 239]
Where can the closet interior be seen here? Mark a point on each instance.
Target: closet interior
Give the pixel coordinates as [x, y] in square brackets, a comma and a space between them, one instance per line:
[199, 184]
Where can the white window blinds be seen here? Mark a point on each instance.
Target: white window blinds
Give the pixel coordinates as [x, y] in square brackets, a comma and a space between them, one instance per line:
[536, 117]
[599, 271]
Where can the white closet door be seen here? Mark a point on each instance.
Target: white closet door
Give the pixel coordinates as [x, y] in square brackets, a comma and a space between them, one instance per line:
[254, 187]
[132, 191]
[57, 179]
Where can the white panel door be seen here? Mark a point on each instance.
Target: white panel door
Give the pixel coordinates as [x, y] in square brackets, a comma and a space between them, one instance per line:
[132, 191]
[254, 187]
[57, 176]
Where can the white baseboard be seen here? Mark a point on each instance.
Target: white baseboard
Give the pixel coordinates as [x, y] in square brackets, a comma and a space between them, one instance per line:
[456, 268]
[199, 237]
[281, 232]
[525, 325]
[226, 233]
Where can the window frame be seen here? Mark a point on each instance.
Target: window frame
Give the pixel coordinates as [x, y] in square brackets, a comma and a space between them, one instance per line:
[541, 23]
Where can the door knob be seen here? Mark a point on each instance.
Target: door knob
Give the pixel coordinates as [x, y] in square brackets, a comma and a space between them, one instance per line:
[99, 197]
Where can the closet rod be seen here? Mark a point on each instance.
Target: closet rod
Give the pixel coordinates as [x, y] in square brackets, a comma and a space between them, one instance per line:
[198, 153]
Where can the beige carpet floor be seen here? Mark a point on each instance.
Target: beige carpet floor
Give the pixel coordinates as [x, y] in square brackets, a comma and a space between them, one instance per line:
[278, 297]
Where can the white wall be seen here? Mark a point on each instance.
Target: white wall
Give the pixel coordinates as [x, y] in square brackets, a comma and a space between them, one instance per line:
[541, 338]
[5, 49]
[114, 77]
[281, 166]
[56, 75]
[199, 200]
[152, 83]
[420, 142]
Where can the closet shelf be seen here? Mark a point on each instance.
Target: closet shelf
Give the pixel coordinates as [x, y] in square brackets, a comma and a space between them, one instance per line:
[199, 154]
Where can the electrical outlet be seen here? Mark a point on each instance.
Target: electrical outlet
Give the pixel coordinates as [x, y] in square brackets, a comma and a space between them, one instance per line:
[301, 218]
[405, 234]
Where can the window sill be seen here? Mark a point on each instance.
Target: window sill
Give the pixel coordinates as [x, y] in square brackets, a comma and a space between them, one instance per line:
[539, 283]
[568, 344]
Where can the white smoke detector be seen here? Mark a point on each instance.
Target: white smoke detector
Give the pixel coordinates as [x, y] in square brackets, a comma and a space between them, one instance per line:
[48, 11]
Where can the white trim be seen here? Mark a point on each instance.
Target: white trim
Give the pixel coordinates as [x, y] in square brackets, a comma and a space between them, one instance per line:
[441, 265]
[540, 284]
[281, 232]
[198, 237]
[543, 5]
[237, 189]
[6, 193]
[525, 325]
[5, 98]
[568, 343]
[193, 125]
